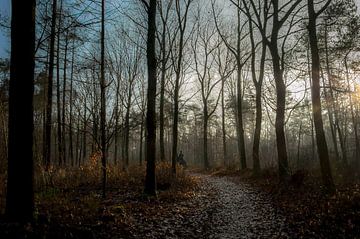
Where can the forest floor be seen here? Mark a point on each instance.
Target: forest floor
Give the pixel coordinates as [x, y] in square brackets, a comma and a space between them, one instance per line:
[222, 204]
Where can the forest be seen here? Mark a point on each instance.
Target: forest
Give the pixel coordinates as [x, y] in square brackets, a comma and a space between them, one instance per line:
[180, 119]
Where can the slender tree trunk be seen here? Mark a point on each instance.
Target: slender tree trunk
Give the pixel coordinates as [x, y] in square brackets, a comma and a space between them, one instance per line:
[141, 141]
[205, 138]
[311, 119]
[240, 127]
[258, 89]
[58, 104]
[77, 142]
[315, 93]
[331, 122]
[127, 127]
[162, 92]
[20, 192]
[60, 124]
[299, 145]
[257, 133]
[63, 123]
[48, 123]
[103, 100]
[71, 148]
[280, 112]
[84, 142]
[150, 179]
[223, 126]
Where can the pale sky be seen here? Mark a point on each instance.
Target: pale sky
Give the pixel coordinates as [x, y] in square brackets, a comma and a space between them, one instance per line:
[5, 11]
[4, 41]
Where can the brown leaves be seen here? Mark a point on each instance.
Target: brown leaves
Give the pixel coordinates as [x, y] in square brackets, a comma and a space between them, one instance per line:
[71, 205]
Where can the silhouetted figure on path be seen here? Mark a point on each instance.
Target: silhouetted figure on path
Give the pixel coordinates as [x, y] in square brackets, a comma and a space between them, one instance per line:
[180, 159]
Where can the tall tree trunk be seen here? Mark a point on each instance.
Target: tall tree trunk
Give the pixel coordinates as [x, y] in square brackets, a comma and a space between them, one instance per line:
[71, 146]
[150, 179]
[205, 139]
[162, 91]
[240, 126]
[141, 140]
[84, 142]
[78, 149]
[299, 145]
[48, 123]
[127, 127]
[310, 116]
[63, 123]
[280, 111]
[258, 89]
[316, 101]
[58, 104]
[103, 100]
[331, 121]
[223, 126]
[20, 192]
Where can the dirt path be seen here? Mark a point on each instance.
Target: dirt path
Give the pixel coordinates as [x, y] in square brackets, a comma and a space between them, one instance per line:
[239, 211]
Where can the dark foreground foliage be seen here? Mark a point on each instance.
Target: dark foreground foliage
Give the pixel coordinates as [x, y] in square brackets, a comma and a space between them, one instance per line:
[71, 206]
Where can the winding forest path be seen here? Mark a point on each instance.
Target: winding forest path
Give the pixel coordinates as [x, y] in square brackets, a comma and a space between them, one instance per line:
[239, 211]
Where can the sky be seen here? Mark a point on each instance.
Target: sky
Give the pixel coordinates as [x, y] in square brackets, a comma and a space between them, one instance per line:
[4, 40]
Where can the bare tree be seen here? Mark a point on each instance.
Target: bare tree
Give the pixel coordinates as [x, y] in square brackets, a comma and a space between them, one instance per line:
[204, 46]
[241, 56]
[315, 96]
[280, 14]
[47, 144]
[103, 86]
[150, 179]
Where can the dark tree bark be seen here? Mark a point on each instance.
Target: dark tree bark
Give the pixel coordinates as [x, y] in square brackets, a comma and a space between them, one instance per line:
[150, 179]
[20, 193]
[258, 90]
[316, 101]
[141, 140]
[240, 126]
[280, 111]
[127, 122]
[58, 104]
[223, 126]
[278, 62]
[71, 146]
[103, 101]
[84, 140]
[63, 123]
[278, 67]
[163, 69]
[47, 147]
